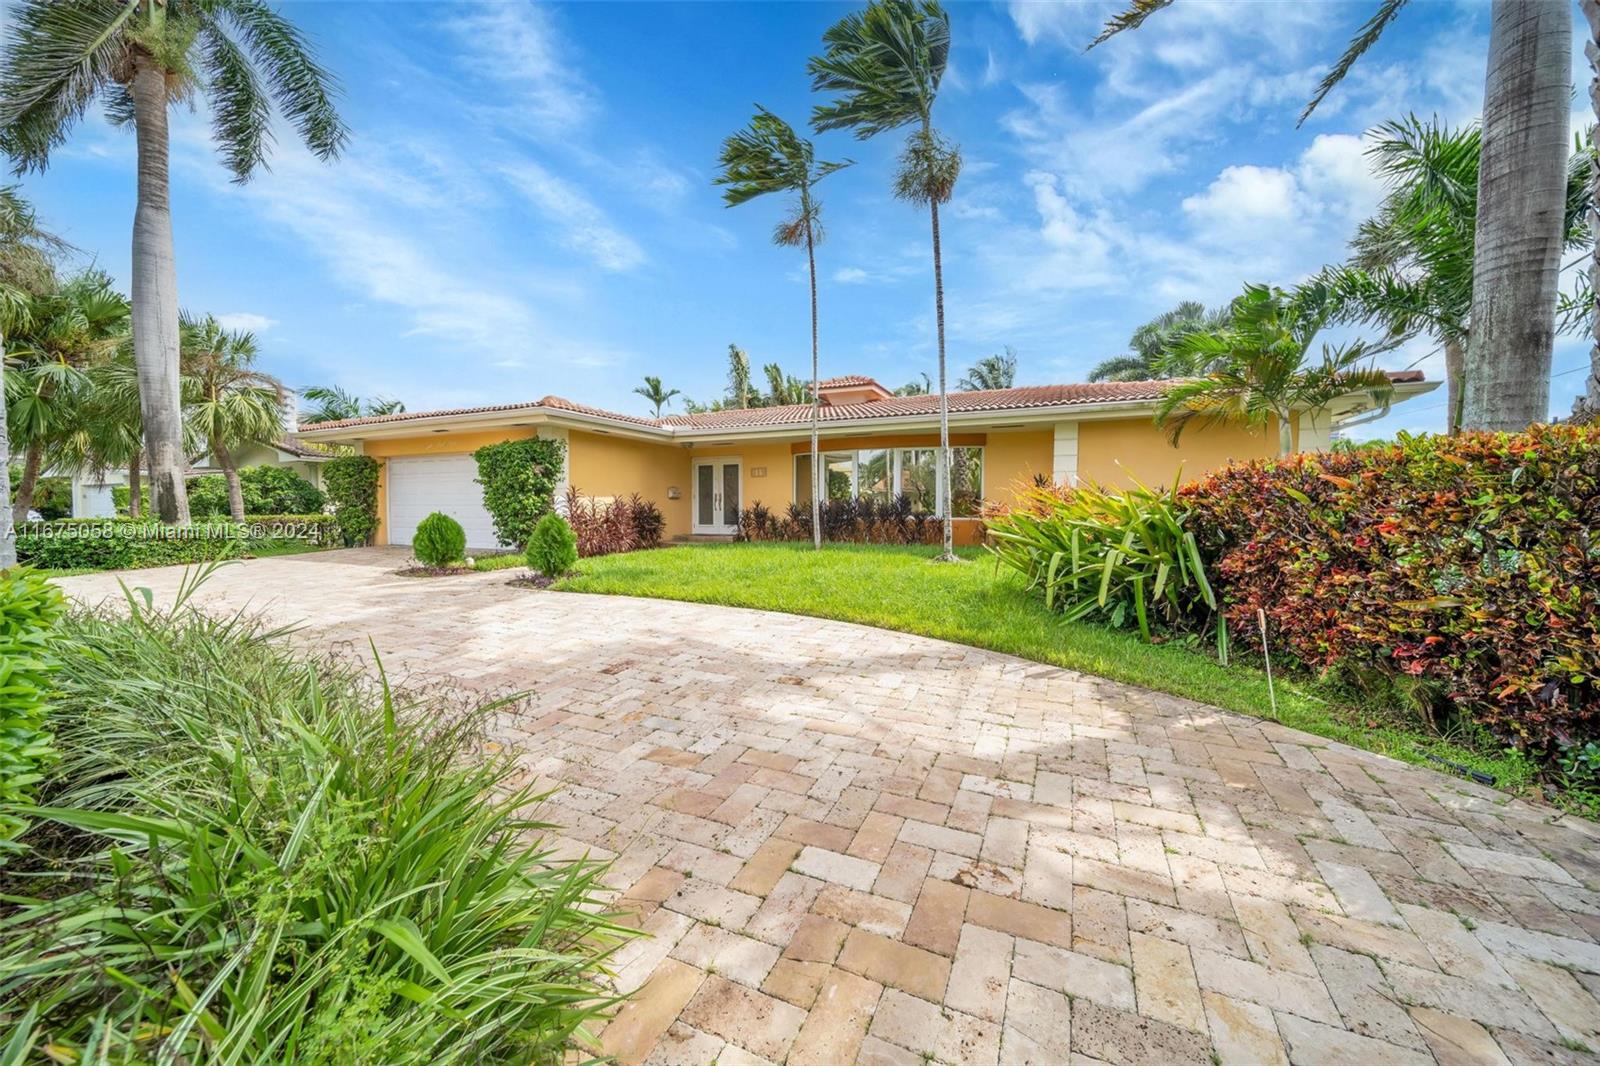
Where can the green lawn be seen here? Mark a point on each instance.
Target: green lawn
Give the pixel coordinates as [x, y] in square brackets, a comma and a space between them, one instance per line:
[969, 603]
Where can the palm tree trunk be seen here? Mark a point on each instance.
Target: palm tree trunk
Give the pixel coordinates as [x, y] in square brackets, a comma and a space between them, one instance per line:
[1454, 360]
[1522, 183]
[155, 296]
[816, 401]
[30, 479]
[8, 527]
[230, 474]
[949, 554]
[1587, 406]
[135, 485]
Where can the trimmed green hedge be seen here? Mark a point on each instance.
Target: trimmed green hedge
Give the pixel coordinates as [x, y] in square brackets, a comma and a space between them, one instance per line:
[126, 544]
[519, 480]
[352, 483]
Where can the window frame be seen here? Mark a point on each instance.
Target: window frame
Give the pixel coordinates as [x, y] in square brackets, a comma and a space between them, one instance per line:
[897, 467]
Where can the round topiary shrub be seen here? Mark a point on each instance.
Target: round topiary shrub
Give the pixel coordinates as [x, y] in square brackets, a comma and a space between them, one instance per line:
[440, 540]
[553, 548]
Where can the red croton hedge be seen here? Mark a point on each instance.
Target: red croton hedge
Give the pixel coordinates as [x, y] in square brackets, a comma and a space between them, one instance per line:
[1472, 561]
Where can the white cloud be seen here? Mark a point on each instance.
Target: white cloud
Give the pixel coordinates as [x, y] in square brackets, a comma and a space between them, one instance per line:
[585, 227]
[520, 44]
[247, 321]
[850, 276]
[1245, 198]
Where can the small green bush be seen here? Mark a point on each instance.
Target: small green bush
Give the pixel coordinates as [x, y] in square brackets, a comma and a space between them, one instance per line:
[352, 482]
[308, 869]
[440, 540]
[519, 479]
[30, 609]
[553, 548]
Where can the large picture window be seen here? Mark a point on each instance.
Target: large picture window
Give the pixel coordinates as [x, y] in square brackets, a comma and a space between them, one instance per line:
[881, 474]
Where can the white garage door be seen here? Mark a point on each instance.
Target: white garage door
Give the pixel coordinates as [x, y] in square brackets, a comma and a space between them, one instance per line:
[420, 486]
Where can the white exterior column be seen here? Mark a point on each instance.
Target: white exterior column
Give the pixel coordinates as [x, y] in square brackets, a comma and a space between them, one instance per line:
[559, 433]
[1064, 468]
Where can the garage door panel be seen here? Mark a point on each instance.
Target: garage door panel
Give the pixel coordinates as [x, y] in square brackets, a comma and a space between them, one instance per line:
[420, 485]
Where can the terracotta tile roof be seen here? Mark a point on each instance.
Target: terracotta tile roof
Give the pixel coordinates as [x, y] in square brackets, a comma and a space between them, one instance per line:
[848, 381]
[911, 406]
[1015, 399]
[302, 449]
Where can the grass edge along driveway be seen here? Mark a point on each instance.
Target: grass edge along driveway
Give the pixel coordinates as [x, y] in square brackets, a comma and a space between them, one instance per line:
[901, 588]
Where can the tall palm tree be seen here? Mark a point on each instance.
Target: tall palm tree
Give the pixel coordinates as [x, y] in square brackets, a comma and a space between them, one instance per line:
[229, 402]
[1521, 189]
[886, 63]
[334, 404]
[27, 269]
[992, 372]
[73, 329]
[652, 391]
[769, 157]
[739, 391]
[140, 57]
[1263, 376]
[1411, 268]
[1151, 348]
[1587, 407]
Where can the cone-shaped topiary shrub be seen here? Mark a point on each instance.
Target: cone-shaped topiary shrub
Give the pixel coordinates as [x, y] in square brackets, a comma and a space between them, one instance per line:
[440, 540]
[553, 548]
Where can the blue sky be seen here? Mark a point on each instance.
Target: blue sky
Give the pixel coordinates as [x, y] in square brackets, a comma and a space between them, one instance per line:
[526, 205]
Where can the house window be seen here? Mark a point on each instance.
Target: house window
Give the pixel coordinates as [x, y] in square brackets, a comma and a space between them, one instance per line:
[881, 474]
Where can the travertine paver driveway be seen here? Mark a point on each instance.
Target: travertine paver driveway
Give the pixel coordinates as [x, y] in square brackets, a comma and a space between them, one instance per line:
[861, 846]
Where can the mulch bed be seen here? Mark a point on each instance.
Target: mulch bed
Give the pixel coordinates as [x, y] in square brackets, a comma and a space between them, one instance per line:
[433, 571]
[531, 581]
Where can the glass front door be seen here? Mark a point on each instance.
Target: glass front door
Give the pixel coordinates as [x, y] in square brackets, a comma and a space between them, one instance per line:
[717, 496]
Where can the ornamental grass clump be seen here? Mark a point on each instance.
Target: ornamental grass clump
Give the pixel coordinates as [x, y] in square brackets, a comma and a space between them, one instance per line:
[1126, 557]
[247, 856]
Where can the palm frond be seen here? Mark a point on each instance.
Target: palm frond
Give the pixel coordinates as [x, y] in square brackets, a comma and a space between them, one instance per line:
[1121, 368]
[58, 57]
[240, 111]
[1130, 19]
[1364, 39]
[886, 64]
[300, 87]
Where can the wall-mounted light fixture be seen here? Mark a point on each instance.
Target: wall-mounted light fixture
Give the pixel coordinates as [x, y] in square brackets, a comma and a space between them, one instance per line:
[674, 493]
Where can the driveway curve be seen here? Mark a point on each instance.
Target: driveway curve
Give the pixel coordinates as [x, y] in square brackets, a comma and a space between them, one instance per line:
[854, 845]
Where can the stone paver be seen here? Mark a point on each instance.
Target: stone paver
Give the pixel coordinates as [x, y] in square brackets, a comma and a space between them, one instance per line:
[852, 845]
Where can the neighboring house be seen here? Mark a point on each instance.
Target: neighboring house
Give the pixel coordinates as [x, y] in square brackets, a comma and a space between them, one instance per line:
[92, 491]
[702, 469]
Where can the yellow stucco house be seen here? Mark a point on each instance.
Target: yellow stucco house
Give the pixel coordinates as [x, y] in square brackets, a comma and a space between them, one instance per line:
[702, 469]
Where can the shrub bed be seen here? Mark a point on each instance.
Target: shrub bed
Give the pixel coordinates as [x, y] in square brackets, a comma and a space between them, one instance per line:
[863, 521]
[623, 524]
[252, 857]
[1469, 563]
[122, 543]
[267, 490]
[30, 608]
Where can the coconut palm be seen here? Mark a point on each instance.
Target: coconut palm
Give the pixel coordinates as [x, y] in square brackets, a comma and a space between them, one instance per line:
[992, 372]
[769, 157]
[140, 57]
[652, 391]
[229, 402]
[27, 258]
[71, 330]
[1411, 267]
[886, 64]
[334, 404]
[1151, 349]
[1521, 187]
[1262, 374]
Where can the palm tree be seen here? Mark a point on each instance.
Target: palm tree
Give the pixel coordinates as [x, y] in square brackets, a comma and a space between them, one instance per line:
[916, 388]
[140, 57]
[739, 391]
[335, 405]
[229, 402]
[1262, 376]
[107, 429]
[1151, 348]
[767, 157]
[27, 254]
[785, 390]
[1521, 187]
[1411, 270]
[1587, 406]
[886, 63]
[652, 391]
[77, 327]
[991, 372]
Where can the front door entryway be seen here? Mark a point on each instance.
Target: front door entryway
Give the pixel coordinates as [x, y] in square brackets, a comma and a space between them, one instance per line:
[716, 496]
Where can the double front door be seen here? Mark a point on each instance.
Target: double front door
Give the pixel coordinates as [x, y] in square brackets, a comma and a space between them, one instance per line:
[716, 496]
